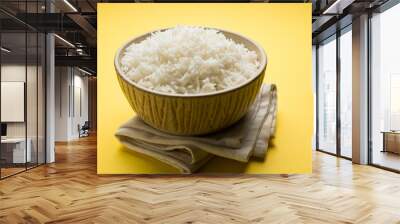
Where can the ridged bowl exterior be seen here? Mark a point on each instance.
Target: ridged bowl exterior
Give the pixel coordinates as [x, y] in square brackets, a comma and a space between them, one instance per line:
[190, 115]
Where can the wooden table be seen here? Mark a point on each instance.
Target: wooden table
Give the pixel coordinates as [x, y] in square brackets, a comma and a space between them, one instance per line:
[391, 141]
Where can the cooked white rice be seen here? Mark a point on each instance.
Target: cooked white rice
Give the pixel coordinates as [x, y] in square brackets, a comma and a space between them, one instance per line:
[188, 60]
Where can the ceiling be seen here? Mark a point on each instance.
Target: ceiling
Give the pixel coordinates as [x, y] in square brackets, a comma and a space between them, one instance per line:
[329, 16]
[76, 22]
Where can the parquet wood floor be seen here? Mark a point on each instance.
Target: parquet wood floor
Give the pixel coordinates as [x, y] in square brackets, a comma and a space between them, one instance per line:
[69, 191]
[10, 171]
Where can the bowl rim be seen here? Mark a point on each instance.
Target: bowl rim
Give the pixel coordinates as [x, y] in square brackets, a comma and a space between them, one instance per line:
[261, 68]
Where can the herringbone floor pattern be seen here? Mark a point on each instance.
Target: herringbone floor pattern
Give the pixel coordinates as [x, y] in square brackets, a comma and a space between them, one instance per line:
[69, 191]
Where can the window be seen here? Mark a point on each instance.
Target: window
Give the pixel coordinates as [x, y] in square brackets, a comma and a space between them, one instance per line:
[394, 105]
[327, 96]
[22, 77]
[346, 93]
[334, 73]
[385, 89]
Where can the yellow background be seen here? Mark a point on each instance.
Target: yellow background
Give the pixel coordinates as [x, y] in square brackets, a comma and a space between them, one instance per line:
[284, 30]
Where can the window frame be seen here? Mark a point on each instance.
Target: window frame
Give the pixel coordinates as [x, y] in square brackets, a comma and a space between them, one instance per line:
[334, 37]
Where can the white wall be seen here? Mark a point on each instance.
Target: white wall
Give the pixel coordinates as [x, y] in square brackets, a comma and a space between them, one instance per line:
[33, 127]
[62, 82]
[71, 87]
[80, 94]
[12, 73]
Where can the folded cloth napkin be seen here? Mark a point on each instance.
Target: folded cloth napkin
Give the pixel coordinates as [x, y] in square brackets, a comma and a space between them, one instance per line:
[247, 138]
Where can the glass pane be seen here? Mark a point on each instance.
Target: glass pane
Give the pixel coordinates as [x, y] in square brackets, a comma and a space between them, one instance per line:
[31, 87]
[386, 89]
[41, 98]
[31, 98]
[327, 96]
[22, 89]
[346, 94]
[314, 75]
[13, 90]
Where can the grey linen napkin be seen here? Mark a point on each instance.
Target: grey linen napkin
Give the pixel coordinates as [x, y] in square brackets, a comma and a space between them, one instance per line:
[247, 138]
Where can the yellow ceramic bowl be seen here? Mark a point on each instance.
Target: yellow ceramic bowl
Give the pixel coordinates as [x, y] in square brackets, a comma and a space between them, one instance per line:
[195, 114]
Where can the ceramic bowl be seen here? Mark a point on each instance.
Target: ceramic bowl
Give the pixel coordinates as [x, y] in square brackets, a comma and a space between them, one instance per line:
[195, 114]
